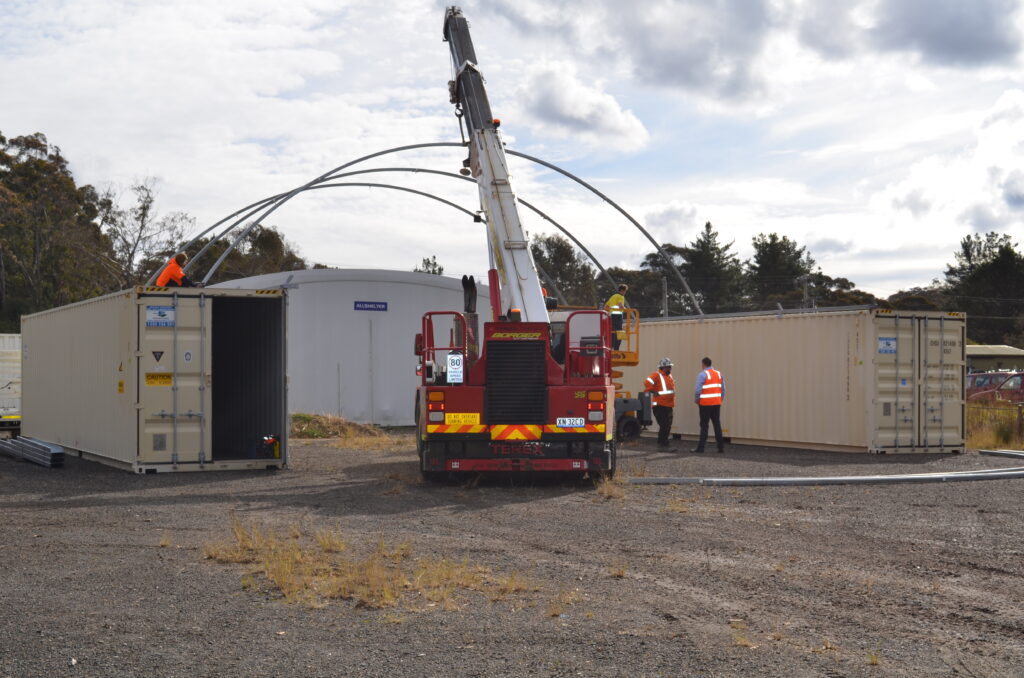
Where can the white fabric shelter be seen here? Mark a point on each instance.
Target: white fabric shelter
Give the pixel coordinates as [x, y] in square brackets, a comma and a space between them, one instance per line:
[350, 337]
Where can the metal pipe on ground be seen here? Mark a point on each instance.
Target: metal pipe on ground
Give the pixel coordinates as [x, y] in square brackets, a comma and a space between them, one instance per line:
[953, 476]
[1002, 453]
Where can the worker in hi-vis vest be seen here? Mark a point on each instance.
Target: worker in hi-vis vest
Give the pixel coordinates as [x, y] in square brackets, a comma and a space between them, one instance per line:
[616, 307]
[663, 386]
[173, 275]
[709, 394]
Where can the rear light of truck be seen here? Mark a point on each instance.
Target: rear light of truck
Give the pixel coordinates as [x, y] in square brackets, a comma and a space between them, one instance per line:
[435, 407]
[595, 406]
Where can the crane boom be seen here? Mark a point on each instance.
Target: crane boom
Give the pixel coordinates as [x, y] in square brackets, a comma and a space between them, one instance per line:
[508, 247]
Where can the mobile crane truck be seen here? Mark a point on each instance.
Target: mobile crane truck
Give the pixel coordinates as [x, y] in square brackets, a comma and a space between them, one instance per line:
[530, 393]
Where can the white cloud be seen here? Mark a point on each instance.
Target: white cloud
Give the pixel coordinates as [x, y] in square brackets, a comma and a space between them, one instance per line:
[564, 106]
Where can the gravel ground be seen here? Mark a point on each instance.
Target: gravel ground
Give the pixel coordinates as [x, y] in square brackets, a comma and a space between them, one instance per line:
[104, 573]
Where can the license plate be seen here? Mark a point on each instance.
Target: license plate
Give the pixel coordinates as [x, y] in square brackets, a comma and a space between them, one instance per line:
[570, 422]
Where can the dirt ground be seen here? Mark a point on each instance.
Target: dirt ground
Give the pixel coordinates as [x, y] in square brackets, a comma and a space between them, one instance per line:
[104, 572]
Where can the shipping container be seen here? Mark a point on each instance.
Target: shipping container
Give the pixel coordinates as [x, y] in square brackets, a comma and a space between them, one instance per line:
[157, 379]
[856, 379]
[10, 382]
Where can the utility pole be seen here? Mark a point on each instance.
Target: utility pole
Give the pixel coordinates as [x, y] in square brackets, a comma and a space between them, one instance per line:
[664, 297]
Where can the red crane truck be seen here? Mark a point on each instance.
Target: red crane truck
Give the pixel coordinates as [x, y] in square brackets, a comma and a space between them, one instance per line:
[531, 392]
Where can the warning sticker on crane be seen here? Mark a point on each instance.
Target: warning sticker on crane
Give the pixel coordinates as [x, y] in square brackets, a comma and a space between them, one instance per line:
[455, 371]
[461, 418]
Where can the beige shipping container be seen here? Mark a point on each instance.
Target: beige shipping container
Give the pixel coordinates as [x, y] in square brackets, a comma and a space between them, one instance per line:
[157, 379]
[10, 382]
[857, 379]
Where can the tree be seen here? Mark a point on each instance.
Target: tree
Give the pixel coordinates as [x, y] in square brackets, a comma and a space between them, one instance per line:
[568, 268]
[678, 301]
[429, 265]
[928, 298]
[713, 272]
[137, 234]
[52, 250]
[773, 271]
[645, 290]
[263, 250]
[975, 251]
[986, 282]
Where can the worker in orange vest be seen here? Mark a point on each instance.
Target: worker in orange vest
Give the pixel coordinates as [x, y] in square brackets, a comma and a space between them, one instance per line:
[663, 386]
[172, 275]
[709, 394]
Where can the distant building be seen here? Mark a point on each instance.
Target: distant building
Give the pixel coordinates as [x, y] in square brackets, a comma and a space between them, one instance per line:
[985, 358]
[350, 338]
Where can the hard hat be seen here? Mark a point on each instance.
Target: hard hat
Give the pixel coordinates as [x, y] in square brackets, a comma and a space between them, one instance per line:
[665, 362]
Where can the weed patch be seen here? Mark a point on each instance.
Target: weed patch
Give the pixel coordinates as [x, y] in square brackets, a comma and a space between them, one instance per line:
[314, 569]
[995, 425]
[351, 435]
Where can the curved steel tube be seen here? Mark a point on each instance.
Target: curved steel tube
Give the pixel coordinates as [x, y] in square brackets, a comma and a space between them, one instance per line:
[623, 212]
[953, 476]
[542, 215]
[282, 198]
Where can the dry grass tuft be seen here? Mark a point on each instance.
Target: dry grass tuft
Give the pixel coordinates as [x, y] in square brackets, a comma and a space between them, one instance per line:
[352, 436]
[826, 646]
[311, 571]
[165, 540]
[610, 488]
[740, 640]
[558, 604]
[330, 541]
[994, 425]
[874, 658]
[738, 624]
[678, 505]
[618, 570]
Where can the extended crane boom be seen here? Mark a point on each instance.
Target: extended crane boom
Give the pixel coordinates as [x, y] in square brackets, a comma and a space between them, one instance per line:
[508, 247]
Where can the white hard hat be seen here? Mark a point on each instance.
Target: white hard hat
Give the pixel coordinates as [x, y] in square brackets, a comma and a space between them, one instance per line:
[665, 362]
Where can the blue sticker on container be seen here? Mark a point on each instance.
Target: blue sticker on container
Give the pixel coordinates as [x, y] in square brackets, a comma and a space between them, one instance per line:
[371, 306]
[159, 316]
[887, 344]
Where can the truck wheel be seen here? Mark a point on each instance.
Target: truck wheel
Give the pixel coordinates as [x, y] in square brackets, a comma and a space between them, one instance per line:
[627, 428]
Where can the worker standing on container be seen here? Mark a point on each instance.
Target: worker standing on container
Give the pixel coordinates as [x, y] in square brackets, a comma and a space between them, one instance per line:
[172, 275]
[663, 386]
[616, 307]
[708, 395]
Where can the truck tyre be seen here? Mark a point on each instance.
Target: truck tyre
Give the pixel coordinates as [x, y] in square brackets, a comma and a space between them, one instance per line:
[627, 427]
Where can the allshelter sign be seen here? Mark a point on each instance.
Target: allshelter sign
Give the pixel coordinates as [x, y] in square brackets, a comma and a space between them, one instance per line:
[371, 306]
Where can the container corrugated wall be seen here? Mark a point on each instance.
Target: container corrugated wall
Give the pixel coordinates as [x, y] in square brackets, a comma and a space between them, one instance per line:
[10, 375]
[864, 379]
[138, 379]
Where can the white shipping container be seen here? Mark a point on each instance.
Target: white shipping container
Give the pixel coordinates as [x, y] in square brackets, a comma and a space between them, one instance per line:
[157, 379]
[10, 381]
[858, 379]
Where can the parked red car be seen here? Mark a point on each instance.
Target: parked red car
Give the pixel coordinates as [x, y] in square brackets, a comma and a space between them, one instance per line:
[990, 386]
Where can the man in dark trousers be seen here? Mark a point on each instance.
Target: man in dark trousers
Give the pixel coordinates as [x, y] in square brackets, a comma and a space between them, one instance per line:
[708, 395]
[664, 388]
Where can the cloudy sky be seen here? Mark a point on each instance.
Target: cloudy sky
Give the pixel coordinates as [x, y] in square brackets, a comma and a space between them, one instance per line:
[875, 132]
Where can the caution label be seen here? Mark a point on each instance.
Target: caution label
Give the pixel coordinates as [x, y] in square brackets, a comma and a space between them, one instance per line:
[461, 418]
[159, 379]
